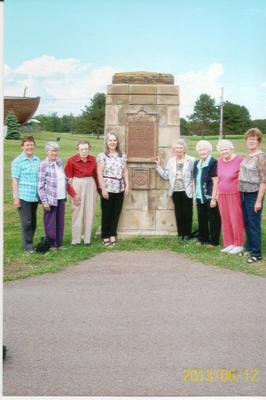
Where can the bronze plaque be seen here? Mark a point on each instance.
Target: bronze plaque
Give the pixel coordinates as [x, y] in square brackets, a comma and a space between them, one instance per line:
[141, 137]
[140, 178]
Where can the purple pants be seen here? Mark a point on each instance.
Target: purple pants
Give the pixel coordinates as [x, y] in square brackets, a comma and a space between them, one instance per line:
[54, 221]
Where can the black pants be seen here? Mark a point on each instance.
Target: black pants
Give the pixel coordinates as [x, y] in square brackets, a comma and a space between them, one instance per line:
[28, 219]
[183, 213]
[111, 209]
[209, 223]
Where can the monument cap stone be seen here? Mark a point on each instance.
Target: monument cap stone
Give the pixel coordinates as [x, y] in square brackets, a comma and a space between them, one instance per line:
[143, 78]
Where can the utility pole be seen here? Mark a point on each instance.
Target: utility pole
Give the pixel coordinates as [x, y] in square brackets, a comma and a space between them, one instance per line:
[221, 134]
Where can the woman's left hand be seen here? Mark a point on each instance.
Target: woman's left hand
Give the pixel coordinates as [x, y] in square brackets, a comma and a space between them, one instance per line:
[257, 206]
[126, 190]
[46, 206]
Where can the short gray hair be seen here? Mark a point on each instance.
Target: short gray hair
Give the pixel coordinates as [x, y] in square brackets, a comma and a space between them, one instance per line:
[224, 143]
[205, 144]
[182, 142]
[52, 145]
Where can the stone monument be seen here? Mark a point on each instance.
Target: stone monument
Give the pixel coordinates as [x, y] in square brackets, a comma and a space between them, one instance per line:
[142, 108]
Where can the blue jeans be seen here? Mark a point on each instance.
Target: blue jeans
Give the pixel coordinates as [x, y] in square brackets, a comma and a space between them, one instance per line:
[252, 222]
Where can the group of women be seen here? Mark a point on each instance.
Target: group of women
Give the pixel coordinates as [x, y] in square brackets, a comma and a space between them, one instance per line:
[228, 193]
[48, 182]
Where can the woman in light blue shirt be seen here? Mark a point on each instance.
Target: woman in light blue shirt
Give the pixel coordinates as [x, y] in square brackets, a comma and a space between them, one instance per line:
[24, 172]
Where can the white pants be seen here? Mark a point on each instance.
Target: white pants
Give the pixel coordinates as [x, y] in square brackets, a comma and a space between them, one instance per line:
[82, 215]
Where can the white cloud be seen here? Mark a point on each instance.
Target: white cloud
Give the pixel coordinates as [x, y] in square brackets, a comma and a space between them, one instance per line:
[65, 85]
[46, 66]
[194, 83]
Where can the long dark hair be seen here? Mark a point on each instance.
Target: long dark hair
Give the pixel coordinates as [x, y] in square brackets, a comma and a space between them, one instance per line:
[107, 151]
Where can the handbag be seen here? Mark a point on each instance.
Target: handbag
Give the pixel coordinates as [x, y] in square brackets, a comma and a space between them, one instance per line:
[43, 246]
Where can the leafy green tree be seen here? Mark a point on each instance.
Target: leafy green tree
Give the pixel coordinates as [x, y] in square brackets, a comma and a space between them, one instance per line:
[205, 115]
[12, 126]
[260, 124]
[236, 119]
[68, 123]
[54, 123]
[92, 118]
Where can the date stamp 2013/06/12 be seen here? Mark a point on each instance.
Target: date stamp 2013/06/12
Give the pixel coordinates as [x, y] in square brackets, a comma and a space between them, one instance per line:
[195, 375]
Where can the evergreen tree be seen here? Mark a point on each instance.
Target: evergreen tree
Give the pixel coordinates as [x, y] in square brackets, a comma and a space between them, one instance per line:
[260, 124]
[236, 119]
[12, 126]
[92, 118]
[205, 115]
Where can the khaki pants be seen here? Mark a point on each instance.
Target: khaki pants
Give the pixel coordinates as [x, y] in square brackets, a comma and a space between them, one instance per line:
[82, 216]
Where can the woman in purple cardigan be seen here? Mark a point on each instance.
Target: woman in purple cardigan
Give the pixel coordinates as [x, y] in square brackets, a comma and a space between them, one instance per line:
[52, 192]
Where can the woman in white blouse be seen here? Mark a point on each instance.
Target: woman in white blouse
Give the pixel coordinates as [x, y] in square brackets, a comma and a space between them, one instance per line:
[112, 175]
[179, 172]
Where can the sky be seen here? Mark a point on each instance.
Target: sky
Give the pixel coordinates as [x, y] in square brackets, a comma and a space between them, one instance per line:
[67, 50]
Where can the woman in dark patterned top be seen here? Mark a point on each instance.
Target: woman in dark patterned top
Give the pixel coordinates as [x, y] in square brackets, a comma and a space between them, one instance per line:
[205, 184]
[112, 175]
[252, 185]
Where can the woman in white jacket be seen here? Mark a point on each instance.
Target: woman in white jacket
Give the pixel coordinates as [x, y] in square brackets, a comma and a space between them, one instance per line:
[179, 172]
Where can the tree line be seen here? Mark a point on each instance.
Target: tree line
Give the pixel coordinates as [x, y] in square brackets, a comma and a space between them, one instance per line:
[204, 120]
[90, 121]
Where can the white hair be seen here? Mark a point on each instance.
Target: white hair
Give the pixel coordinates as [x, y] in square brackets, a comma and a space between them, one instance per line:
[204, 144]
[51, 145]
[224, 143]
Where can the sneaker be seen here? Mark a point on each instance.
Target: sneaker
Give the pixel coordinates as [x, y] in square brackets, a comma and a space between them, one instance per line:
[227, 249]
[30, 251]
[53, 249]
[253, 259]
[236, 250]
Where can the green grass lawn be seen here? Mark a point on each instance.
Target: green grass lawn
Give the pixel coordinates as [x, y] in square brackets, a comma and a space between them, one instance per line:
[18, 265]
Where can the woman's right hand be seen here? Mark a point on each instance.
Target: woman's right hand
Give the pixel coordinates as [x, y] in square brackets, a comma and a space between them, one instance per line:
[158, 161]
[105, 194]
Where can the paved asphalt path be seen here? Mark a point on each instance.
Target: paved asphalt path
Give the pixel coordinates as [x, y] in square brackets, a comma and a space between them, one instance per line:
[130, 323]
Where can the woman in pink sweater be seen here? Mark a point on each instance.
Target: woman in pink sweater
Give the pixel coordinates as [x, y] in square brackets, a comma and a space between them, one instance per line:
[229, 198]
